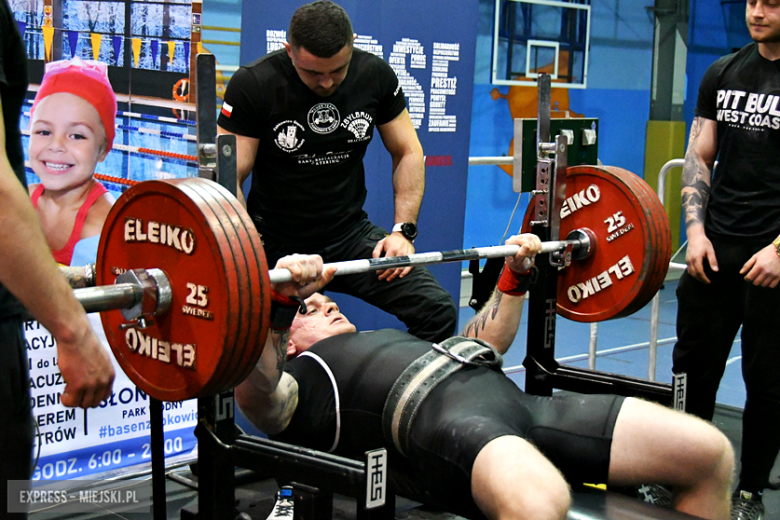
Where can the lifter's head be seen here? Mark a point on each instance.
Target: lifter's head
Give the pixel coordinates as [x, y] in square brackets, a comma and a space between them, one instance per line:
[322, 320]
[320, 45]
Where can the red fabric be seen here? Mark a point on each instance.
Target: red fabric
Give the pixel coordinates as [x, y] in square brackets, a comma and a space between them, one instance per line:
[88, 84]
[284, 300]
[64, 255]
[512, 283]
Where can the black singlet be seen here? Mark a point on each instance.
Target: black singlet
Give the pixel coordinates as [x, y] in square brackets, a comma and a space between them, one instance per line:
[741, 92]
[457, 419]
[308, 181]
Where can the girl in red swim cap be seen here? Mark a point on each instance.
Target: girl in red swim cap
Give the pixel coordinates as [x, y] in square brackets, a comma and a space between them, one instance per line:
[72, 127]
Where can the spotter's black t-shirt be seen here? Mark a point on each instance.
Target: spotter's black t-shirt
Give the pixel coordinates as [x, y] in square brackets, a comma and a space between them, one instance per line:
[308, 180]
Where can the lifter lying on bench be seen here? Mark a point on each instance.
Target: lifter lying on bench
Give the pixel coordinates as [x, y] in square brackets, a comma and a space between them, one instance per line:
[468, 438]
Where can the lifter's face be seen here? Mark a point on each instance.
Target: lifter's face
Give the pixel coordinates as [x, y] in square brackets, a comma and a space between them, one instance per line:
[322, 75]
[322, 320]
[763, 20]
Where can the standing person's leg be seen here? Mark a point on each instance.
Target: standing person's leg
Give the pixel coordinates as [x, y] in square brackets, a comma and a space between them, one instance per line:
[16, 434]
[708, 318]
[655, 444]
[418, 299]
[761, 372]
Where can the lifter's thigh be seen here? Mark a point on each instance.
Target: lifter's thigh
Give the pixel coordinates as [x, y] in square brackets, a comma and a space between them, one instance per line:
[652, 443]
[512, 479]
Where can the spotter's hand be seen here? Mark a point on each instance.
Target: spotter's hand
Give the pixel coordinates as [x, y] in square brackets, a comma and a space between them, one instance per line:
[394, 244]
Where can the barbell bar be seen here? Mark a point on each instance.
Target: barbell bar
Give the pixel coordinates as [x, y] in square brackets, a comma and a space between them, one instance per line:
[134, 287]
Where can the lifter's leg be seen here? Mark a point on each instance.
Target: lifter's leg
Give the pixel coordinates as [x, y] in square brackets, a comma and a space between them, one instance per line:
[653, 444]
[512, 480]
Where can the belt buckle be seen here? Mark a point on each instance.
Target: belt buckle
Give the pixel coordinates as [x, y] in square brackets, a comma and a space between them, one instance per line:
[452, 355]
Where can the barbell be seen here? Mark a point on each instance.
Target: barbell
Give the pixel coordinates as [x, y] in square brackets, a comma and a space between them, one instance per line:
[184, 291]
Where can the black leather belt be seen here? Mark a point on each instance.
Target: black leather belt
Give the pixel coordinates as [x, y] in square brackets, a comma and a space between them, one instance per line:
[422, 376]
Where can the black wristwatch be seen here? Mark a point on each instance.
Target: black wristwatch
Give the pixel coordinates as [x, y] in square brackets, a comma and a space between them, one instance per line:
[407, 229]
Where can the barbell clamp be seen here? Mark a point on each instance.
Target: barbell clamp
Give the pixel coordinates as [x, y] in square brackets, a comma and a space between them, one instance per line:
[139, 323]
[156, 293]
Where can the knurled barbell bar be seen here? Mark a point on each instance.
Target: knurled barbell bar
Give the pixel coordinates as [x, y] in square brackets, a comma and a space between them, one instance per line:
[184, 289]
[145, 293]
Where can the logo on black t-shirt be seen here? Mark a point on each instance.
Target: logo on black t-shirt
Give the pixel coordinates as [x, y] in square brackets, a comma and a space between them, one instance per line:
[324, 118]
[287, 138]
[749, 110]
[358, 123]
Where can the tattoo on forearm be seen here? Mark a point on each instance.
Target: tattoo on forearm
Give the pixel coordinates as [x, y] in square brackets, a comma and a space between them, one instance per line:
[696, 127]
[488, 312]
[290, 398]
[696, 178]
[694, 201]
[279, 340]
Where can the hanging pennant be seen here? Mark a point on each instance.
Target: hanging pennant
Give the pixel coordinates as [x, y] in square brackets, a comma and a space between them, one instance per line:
[48, 38]
[171, 53]
[73, 40]
[117, 42]
[136, 50]
[22, 27]
[155, 50]
[96, 41]
[187, 53]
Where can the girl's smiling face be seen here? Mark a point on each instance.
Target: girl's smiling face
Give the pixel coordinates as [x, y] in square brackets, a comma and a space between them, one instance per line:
[67, 140]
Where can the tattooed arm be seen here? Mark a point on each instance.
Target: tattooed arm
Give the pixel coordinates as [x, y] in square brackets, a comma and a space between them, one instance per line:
[697, 182]
[498, 320]
[269, 395]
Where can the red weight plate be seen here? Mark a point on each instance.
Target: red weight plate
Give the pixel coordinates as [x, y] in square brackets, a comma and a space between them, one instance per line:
[240, 314]
[257, 306]
[156, 225]
[659, 222]
[617, 279]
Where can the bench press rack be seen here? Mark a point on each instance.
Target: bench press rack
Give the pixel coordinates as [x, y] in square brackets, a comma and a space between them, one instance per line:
[544, 373]
[315, 475]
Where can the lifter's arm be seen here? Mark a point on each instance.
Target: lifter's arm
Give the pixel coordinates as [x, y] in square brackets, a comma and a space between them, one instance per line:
[697, 183]
[246, 153]
[269, 396]
[499, 319]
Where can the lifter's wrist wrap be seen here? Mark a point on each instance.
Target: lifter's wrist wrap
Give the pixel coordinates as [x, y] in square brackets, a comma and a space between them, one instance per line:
[283, 311]
[512, 283]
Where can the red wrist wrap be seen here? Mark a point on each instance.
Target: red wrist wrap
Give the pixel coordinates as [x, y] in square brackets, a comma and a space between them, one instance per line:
[281, 298]
[512, 283]
[283, 311]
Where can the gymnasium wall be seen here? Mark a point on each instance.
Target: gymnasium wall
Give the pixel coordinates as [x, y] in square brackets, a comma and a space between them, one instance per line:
[618, 93]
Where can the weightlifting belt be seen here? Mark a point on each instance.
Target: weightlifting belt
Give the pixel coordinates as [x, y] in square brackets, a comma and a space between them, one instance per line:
[422, 376]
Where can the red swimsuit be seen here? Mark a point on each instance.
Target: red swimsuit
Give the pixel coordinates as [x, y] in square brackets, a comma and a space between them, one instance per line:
[64, 255]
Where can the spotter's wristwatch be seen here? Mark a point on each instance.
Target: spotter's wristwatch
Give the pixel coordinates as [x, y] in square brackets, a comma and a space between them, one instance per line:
[776, 243]
[407, 229]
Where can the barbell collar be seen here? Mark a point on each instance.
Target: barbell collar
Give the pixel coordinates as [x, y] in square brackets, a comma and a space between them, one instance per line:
[437, 257]
[137, 293]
